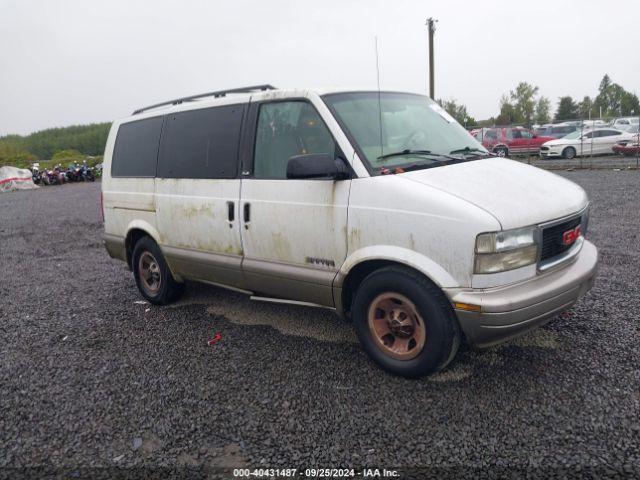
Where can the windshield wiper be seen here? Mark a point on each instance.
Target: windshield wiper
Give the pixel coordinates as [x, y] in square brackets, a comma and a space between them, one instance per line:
[384, 170]
[406, 152]
[426, 153]
[470, 150]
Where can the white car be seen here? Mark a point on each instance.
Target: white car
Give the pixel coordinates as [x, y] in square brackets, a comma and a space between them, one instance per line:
[377, 205]
[598, 141]
[626, 123]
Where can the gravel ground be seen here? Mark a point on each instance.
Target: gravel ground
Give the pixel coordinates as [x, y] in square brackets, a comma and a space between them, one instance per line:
[93, 382]
[604, 162]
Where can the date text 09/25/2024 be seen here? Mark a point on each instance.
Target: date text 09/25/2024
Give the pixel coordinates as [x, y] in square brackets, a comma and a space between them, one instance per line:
[315, 473]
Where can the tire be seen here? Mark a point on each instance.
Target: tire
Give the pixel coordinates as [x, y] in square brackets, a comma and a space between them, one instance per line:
[378, 306]
[569, 153]
[152, 274]
[501, 151]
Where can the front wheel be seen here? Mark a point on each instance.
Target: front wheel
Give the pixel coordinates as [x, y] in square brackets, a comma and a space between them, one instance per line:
[404, 322]
[569, 153]
[152, 274]
[501, 151]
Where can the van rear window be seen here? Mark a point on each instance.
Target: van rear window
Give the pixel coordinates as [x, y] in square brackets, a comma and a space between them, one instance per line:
[201, 143]
[136, 150]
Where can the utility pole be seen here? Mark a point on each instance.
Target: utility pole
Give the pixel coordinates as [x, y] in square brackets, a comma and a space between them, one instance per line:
[431, 23]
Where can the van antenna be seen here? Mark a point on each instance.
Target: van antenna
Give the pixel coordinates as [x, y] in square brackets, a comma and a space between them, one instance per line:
[379, 103]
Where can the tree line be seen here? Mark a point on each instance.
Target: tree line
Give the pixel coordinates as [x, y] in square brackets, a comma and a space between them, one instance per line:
[43, 145]
[524, 105]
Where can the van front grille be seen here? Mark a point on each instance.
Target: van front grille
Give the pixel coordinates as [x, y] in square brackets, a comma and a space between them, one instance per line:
[552, 245]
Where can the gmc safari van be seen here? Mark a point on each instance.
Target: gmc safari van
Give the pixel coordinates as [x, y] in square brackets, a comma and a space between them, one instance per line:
[375, 204]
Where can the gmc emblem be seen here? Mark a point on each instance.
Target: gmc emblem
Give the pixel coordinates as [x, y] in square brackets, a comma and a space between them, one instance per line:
[571, 236]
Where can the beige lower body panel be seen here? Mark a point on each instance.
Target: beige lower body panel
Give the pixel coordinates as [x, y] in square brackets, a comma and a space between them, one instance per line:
[115, 246]
[292, 282]
[205, 266]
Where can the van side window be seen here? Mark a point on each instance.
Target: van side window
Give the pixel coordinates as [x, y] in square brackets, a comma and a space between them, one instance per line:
[286, 129]
[135, 153]
[201, 143]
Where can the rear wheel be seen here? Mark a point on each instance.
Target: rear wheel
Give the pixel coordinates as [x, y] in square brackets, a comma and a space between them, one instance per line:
[404, 322]
[569, 153]
[501, 151]
[152, 274]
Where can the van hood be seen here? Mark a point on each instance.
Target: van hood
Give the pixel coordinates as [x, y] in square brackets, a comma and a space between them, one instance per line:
[516, 194]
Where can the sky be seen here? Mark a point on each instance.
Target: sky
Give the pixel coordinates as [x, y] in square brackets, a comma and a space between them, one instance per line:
[67, 62]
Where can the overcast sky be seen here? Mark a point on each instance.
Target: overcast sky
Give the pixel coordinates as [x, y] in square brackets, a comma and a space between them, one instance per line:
[72, 62]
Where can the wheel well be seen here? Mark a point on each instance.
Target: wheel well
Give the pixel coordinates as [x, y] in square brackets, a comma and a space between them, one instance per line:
[360, 272]
[133, 236]
[500, 146]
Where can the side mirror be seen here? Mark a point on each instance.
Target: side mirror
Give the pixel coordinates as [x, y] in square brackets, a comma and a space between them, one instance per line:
[534, 136]
[316, 165]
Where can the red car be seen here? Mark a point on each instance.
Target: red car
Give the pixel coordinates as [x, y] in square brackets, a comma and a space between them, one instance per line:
[510, 140]
[628, 149]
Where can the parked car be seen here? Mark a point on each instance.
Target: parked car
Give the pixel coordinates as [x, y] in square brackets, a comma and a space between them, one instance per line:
[505, 141]
[588, 124]
[625, 123]
[598, 141]
[627, 149]
[414, 231]
[558, 130]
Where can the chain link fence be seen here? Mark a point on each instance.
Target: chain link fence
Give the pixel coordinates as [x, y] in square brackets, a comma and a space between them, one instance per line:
[583, 143]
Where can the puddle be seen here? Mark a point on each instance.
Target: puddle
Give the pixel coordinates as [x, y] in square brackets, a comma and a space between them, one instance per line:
[316, 323]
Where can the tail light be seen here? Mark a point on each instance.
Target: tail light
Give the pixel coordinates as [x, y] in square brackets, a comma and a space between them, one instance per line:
[102, 205]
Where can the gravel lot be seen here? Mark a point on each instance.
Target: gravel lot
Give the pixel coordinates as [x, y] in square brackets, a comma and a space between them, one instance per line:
[603, 162]
[95, 383]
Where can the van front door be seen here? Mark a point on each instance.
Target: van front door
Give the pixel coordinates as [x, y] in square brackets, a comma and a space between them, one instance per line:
[198, 193]
[294, 232]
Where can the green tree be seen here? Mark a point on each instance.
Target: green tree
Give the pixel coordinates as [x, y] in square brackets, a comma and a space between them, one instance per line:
[523, 99]
[457, 111]
[543, 110]
[567, 109]
[585, 108]
[87, 139]
[507, 112]
[67, 156]
[613, 100]
[629, 104]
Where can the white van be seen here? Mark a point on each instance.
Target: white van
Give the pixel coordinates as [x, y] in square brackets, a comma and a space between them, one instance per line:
[375, 204]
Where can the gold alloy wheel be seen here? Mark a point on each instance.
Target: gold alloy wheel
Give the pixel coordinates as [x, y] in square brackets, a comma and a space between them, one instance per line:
[396, 326]
[149, 272]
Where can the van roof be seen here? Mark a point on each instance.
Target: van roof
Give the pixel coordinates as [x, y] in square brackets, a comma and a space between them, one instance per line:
[230, 96]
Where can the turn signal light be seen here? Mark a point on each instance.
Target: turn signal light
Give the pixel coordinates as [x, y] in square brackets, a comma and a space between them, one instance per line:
[467, 306]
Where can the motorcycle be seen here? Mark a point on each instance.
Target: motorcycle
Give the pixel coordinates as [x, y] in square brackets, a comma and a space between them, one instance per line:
[48, 177]
[86, 173]
[59, 174]
[73, 173]
[36, 174]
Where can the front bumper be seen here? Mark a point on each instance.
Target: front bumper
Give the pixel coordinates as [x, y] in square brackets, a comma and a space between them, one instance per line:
[554, 152]
[508, 312]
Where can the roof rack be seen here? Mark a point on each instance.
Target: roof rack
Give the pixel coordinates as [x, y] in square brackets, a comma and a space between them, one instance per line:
[219, 93]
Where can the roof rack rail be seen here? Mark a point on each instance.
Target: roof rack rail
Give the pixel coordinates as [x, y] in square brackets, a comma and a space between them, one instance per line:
[219, 93]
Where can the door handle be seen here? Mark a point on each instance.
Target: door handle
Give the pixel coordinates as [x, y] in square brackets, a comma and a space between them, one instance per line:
[231, 213]
[247, 215]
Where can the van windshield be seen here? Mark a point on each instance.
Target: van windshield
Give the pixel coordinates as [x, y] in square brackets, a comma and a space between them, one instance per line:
[393, 130]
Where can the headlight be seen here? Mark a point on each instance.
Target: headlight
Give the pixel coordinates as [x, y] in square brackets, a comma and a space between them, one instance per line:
[506, 250]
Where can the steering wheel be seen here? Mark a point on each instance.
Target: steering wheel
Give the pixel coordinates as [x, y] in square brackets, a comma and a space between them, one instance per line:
[410, 140]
